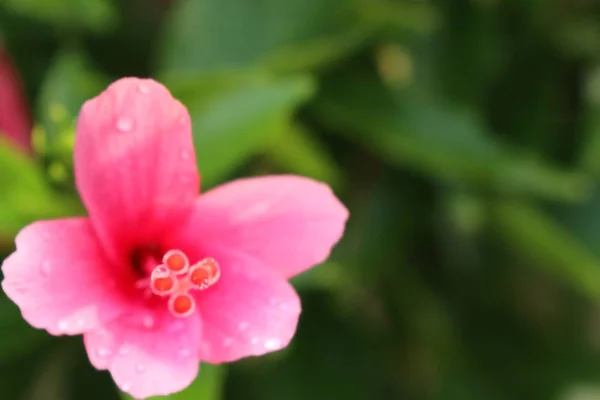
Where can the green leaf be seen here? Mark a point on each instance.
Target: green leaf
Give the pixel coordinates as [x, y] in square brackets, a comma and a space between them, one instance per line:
[97, 15]
[69, 83]
[234, 121]
[315, 53]
[444, 142]
[419, 17]
[207, 386]
[300, 152]
[329, 359]
[590, 158]
[214, 35]
[52, 379]
[18, 337]
[26, 194]
[539, 237]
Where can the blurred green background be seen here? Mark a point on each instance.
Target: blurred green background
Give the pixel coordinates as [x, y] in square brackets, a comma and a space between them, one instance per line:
[463, 135]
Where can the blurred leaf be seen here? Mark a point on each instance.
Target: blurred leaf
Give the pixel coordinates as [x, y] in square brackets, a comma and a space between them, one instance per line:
[18, 337]
[535, 235]
[580, 36]
[26, 195]
[207, 386]
[232, 122]
[292, 35]
[442, 141]
[70, 82]
[590, 157]
[581, 392]
[329, 359]
[330, 275]
[97, 15]
[313, 54]
[581, 220]
[51, 378]
[421, 17]
[299, 151]
[85, 381]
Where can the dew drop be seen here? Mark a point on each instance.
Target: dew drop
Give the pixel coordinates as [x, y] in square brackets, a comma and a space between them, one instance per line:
[206, 347]
[126, 386]
[125, 124]
[176, 326]
[102, 332]
[63, 325]
[243, 326]
[273, 344]
[124, 350]
[143, 88]
[185, 352]
[227, 342]
[46, 268]
[254, 340]
[148, 321]
[185, 154]
[140, 368]
[185, 178]
[103, 352]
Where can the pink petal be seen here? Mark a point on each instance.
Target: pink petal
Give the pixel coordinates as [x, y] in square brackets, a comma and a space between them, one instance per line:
[135, 165]
[288, 223]
[148, 354]
[59, 277]
[250, 311]
[15, 120]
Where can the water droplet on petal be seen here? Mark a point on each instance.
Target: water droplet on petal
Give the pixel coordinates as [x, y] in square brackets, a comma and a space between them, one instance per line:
[46, 268]
[103, 352]
[22, 289]
[227, 342]
[125, 124]
[185, 352]
[206, 347]
[124, 350]
[148, 321]
[243, 326]
[254, 340]
[102, 332]
[140, 368]
[144, 88]
[126, 386]
[63, 325]
[273, 344]
[185, 154]
[176, 326]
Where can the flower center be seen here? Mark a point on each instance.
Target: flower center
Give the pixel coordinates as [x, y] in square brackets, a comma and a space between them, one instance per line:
[175, 278]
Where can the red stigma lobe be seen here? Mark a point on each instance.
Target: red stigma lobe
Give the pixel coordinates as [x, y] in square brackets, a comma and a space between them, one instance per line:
[176, 278]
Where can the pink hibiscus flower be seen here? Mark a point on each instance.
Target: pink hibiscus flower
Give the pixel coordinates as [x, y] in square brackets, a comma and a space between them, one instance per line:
[15, 120]
[158, 278]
